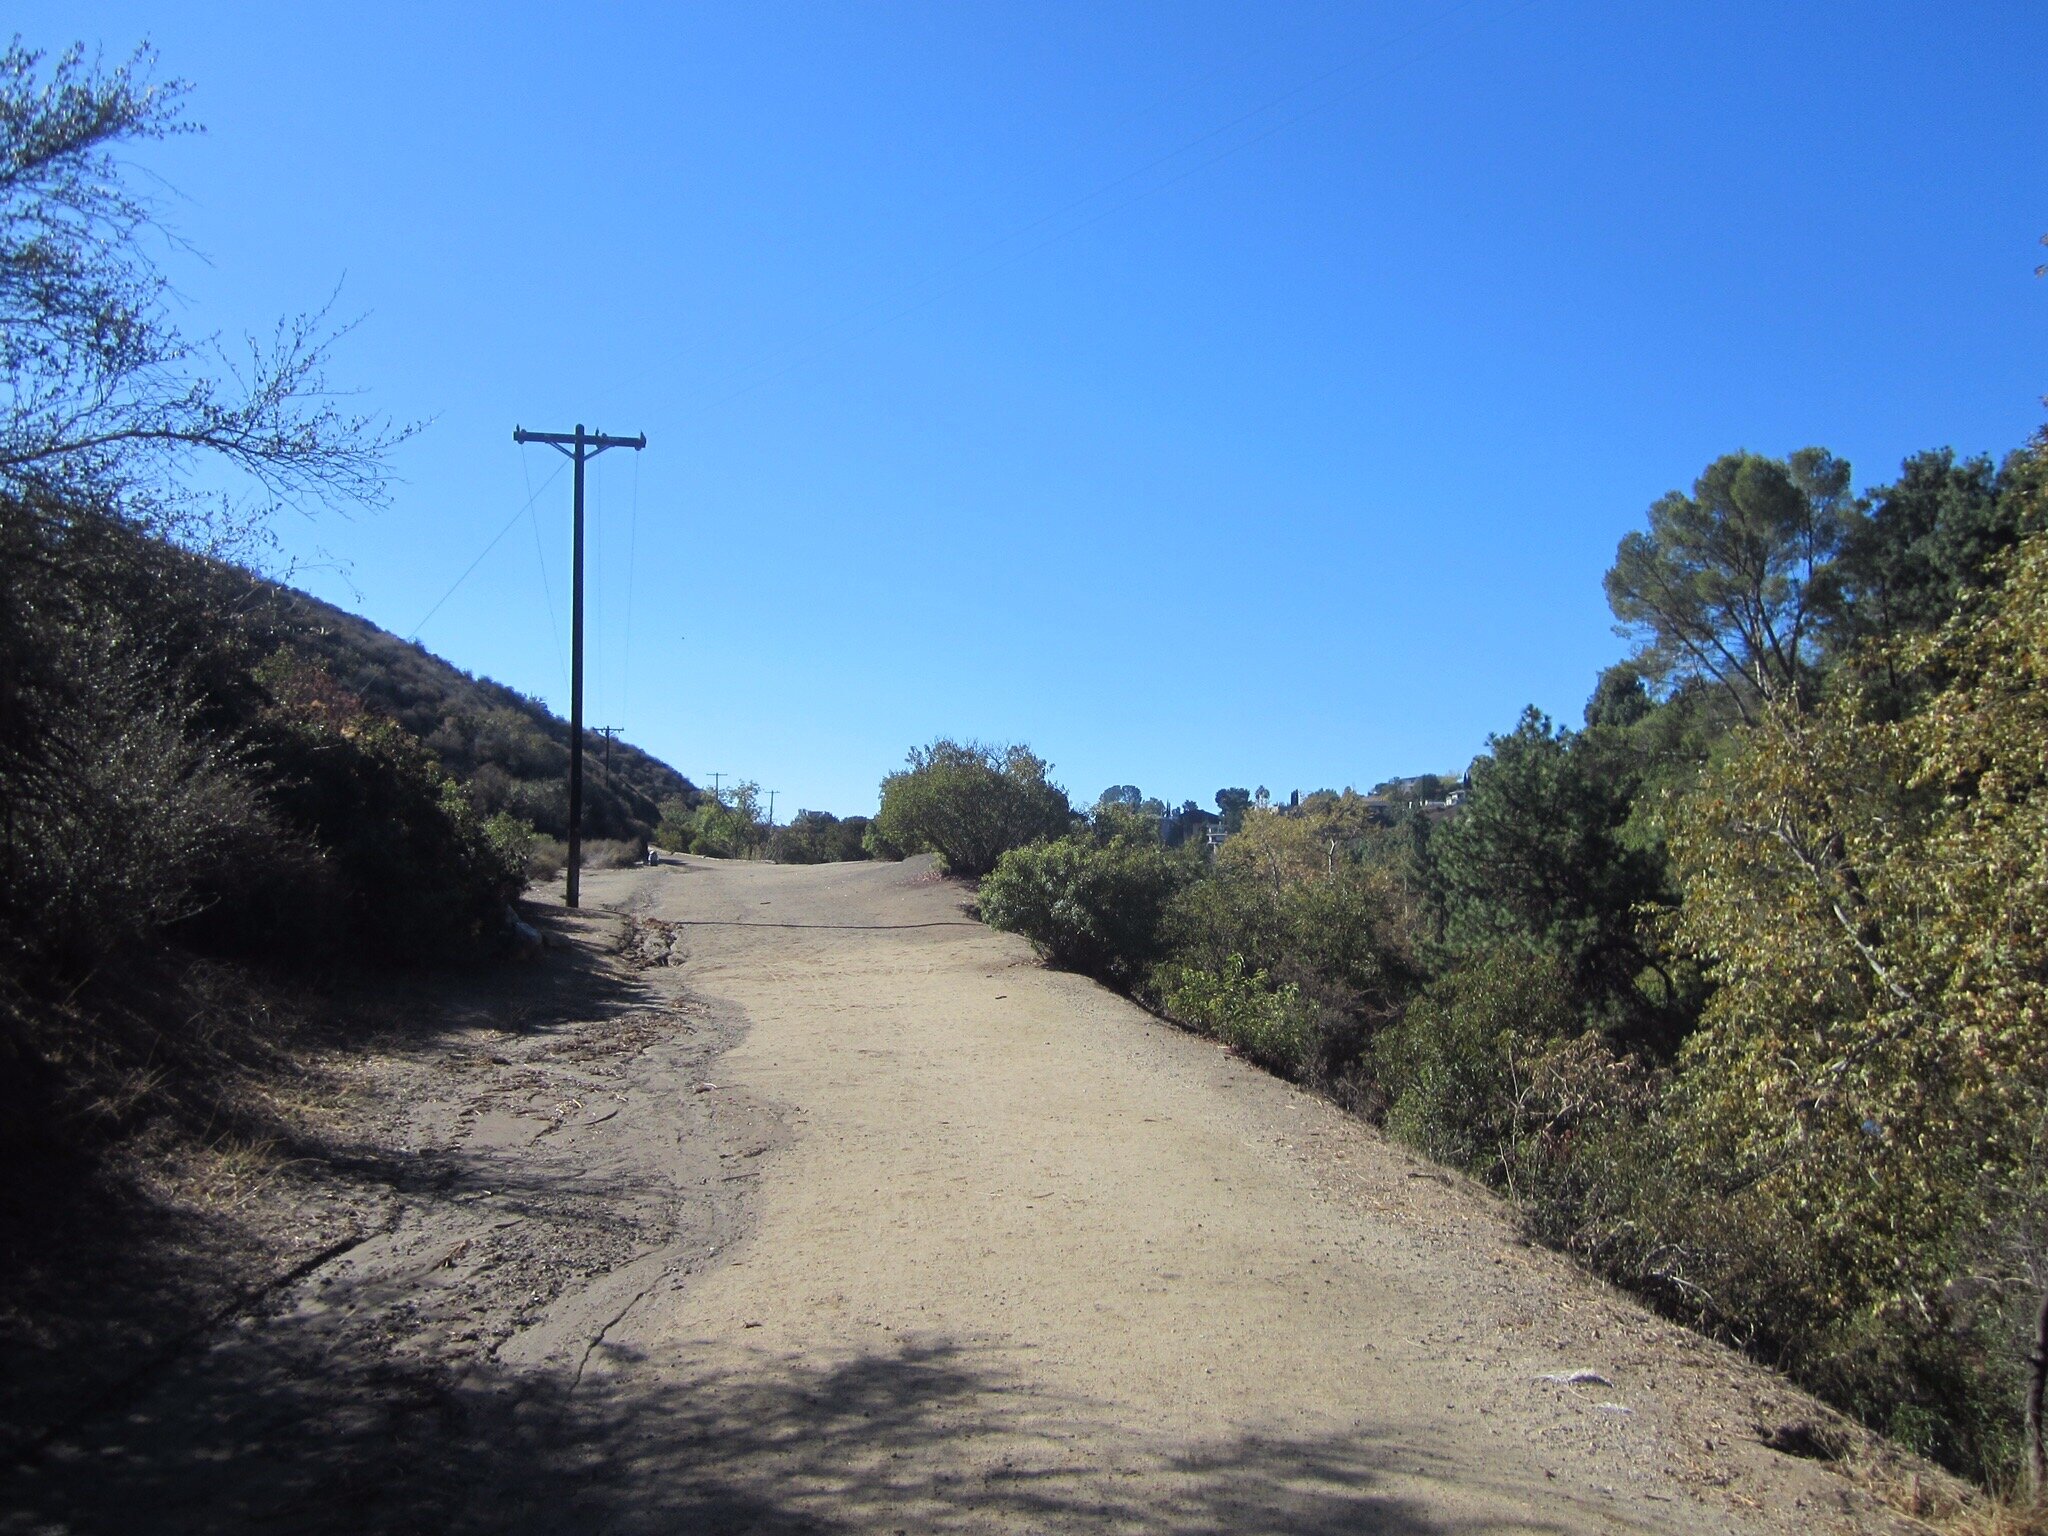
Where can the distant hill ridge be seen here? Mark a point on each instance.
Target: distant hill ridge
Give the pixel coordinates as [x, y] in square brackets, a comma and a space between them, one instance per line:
[512, 751]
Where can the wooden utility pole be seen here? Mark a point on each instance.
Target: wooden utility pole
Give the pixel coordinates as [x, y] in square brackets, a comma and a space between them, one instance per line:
[579, 446]
[608, 732]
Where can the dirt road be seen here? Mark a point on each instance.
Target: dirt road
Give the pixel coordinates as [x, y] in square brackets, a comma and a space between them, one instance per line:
[827, 1209]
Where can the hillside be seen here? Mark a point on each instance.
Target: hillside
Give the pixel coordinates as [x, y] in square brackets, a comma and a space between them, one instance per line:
[511, 750]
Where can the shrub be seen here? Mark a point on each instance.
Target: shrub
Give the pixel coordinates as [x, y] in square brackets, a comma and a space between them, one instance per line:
[610, 853]
[417, 876]
[129, 818]
[1099, 909]
[1273, 1026]
[970, 804]
[512, 839]
[548, 857]
[1348, 929]
[1453, 1069]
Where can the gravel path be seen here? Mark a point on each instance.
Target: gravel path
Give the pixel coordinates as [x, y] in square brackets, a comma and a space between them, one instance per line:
[824, 1208]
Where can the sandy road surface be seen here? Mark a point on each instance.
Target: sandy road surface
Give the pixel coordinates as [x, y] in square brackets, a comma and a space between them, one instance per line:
[828, 1209]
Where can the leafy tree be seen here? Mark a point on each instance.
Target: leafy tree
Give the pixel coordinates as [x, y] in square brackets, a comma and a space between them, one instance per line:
[1537, 858]
[1233, 803]
[1919, 544]
[970, 804]
[727, 825]
[819, 837]
[1865, 1094]
[1620, 698]
[106, 400]
[1723, 584]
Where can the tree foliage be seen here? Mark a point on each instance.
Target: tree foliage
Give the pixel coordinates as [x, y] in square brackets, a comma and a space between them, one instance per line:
[728, 825]
[1871, 896]
[970, 803]
[819, 837]
[1740, 992]
[1723, 583]
[106, 398]
[1539, 858]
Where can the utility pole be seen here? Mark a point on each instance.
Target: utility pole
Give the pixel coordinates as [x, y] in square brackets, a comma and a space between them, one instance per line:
[771, 810]
[607, 732]
[714, 788]
[581, 447]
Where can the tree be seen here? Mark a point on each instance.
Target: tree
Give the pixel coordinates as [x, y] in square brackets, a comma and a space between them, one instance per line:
[106, 400]
[1536, 859]
[1619, 699]
[1233, 803]
[1918, 545]
[819, 837]
[1722, 585]
[970, 803]
[1865, 1093]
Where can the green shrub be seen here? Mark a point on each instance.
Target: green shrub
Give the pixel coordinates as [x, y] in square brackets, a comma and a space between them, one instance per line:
[1273, 1026]
[513, 839]
[1099, 909]
[1453, 1069]
[416, 874]
[970, 804]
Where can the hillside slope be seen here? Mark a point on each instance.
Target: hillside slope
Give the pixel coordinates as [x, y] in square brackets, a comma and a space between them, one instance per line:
[511, 750]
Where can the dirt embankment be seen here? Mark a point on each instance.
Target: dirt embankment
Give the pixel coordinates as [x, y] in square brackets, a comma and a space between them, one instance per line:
[824, 1208]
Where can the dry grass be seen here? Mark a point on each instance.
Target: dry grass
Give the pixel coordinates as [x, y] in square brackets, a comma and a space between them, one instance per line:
[1993, 1516]
[1949, 1505]
[550, 855]
[612, 853]
[548, 858]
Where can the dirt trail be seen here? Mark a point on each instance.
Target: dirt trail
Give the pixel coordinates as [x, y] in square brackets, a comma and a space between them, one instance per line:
[836, 1211]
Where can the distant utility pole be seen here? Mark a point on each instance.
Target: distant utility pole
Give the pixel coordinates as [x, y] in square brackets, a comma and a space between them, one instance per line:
[607, 732]
[714, 787]
[771, 810]
[580, 446]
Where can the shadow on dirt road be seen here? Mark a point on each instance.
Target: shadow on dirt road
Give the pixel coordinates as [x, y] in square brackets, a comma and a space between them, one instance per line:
[273, 1430]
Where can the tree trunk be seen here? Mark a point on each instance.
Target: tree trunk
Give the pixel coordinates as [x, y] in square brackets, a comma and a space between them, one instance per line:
[2037, 1388]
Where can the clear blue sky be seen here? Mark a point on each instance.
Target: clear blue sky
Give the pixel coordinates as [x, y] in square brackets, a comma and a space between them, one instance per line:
[1204, 394]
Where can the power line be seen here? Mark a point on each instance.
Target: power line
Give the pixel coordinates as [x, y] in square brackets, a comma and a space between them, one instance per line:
[540, 555]
[479, 560]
